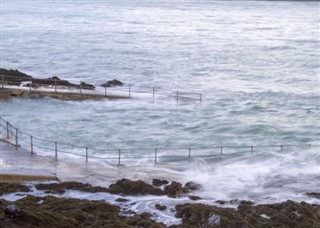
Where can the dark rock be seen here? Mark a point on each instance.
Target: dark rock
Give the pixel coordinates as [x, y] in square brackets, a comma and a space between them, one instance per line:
[53, 81]
[191, 186]
[112, 83]
[13, 77]
[12, 211]
[286, 214]
[314, 194]
[160, 207]
[55, 191]
[222, 202]
[67, 212]
[87, 86]
[194, 198]
[128, 187]
[174, 189]
[6, 188]
[158, 182]
[122, 200]
[59, 188]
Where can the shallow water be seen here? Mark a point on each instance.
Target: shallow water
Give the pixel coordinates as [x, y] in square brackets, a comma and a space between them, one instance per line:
[256, 63]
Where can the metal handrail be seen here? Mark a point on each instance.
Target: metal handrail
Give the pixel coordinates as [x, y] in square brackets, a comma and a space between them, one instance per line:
[120, 154]
[55, 86]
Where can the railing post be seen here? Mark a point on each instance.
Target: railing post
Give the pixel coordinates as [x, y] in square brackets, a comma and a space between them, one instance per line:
[30, 83]
[8, 131]
[86, 154]
[153, 91]
[119, 157]
[251, 149]
[56, 150]
[189, 155]
[17, 139]
[221, 150]
[55, 85]
[31, 143]
[155, 155]
[129, 90]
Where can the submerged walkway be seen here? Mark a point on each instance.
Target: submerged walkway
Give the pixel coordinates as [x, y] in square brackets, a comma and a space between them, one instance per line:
[6, 93]
[20, 161]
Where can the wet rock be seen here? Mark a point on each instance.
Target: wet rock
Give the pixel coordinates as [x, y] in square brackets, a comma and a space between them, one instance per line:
[88, 86]
[112, 83]
[13, 77]
[191, 186]
[286, 214]
[194, 198]
[67, 212]
[60, 188]
[222, 202]
[174, 189]
[128, 187]
[52, 81]
[12, 211]
[158, 182]
[314, 194]
[122, 200]
[6, 188]
[160, 207]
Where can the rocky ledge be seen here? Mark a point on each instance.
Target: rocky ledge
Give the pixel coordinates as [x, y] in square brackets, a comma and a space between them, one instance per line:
[17, 78]
[54, 211]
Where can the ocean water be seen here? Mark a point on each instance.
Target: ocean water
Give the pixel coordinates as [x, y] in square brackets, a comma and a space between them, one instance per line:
[256, 63]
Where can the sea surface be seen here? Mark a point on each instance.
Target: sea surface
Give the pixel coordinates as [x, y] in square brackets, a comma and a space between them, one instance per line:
[256, 64]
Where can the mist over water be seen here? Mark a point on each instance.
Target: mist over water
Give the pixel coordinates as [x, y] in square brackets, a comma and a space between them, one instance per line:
[256, 63]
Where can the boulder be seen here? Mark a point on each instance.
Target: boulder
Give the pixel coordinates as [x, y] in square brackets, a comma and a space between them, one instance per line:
[174, 189]
[158, 182]
[129, 187]
[160, 207]
[191, 186]
[112, 83]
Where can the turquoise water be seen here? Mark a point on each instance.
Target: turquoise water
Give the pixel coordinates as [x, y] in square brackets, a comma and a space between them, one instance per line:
[257, 64]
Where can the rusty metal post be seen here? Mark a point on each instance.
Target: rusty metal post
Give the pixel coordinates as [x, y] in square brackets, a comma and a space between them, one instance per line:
[56, 150]
[30, 84]
[129, 90]
[31, 144]
[119, 157]
[86, 154]
[17, 138]
[8, 131]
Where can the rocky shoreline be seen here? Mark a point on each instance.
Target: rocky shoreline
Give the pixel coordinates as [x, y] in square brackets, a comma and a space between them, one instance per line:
[18, 78]
[52, 210]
